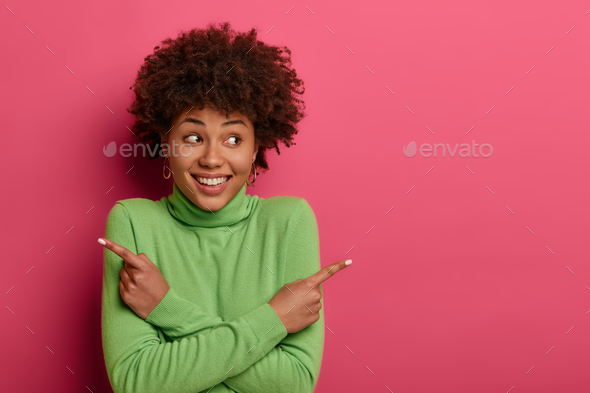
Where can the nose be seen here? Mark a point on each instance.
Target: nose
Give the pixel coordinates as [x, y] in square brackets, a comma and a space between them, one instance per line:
[211, 156]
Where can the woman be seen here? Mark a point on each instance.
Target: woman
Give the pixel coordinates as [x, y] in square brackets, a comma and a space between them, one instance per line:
[211, 289]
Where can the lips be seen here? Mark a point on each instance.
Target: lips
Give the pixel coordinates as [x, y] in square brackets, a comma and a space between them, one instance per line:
[210, 177]
[211, 190]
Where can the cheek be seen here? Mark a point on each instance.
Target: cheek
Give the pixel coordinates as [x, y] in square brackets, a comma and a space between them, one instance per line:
[180, 163]
[243, 165]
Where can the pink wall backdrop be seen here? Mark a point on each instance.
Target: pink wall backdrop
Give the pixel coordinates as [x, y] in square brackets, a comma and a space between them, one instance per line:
[470, 274]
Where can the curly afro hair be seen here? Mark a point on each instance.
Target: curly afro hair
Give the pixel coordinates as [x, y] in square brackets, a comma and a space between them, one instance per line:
[226, 71]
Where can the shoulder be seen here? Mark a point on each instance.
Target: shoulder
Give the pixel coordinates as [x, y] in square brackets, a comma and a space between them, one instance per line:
[291, 211]
[135, 209]
[133, 204]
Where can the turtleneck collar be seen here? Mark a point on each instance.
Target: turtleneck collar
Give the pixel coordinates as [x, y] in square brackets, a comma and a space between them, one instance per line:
[237, 209]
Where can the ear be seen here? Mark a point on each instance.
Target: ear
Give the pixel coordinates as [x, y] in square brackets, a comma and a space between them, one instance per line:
[163, 142]
[255, 151]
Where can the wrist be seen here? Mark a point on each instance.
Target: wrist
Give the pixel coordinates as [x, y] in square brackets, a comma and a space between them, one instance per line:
[278, 315]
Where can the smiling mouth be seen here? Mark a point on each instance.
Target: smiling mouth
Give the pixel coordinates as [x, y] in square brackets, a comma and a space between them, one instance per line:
[211, 185]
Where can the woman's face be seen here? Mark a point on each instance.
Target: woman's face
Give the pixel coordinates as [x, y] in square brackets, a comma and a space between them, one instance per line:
[204, 142]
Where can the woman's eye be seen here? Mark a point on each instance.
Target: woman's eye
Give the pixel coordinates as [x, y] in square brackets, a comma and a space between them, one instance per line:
[192, 136]
[237, 138]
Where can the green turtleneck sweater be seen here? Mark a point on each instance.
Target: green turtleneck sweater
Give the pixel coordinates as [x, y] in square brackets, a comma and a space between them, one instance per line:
[214, 331]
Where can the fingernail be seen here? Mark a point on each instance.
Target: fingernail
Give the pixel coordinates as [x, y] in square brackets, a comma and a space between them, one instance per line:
[102, 241]
[348, 262]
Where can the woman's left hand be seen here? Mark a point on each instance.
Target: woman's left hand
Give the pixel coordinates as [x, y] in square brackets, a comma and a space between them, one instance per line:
[142, 284]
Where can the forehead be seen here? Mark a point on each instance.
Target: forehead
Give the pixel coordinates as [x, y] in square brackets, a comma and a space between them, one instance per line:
[209, 118]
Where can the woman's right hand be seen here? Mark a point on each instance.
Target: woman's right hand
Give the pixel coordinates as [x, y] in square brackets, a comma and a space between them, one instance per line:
[298, 303]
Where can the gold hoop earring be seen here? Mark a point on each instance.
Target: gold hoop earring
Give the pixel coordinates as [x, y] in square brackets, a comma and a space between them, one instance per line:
[247, 181]
[164, 169]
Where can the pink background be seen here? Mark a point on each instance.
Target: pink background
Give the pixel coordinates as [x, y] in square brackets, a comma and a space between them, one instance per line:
[476, 280]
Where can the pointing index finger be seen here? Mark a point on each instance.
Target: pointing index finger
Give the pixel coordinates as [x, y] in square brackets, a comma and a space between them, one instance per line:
[121, 251]
[329, 271]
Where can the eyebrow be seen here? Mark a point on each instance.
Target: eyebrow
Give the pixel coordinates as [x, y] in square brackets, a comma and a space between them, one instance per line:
[199, 122]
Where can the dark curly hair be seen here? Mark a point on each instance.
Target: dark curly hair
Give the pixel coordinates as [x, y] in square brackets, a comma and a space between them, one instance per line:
[226, 71]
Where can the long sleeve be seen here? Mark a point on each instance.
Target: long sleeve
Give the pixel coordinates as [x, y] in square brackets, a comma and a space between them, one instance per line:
[180, 318]
[294, 364]
[136, 358]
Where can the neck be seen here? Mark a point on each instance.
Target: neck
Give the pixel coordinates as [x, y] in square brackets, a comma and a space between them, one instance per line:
[237, 209]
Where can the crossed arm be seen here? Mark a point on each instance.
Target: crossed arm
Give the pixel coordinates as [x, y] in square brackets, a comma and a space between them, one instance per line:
[288, 367]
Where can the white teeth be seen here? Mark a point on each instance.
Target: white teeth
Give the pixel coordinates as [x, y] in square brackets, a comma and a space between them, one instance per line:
[212, 182]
